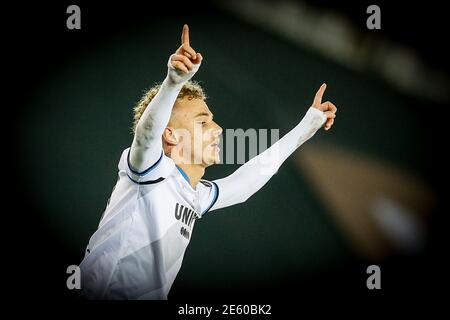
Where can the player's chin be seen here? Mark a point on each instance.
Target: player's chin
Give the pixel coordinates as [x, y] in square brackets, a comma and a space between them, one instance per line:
[213, 158]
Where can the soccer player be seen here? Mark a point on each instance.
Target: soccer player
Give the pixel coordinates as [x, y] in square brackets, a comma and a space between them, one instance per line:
[139, 245]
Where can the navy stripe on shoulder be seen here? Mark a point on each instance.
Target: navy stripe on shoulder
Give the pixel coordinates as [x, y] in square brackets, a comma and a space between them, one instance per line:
[143, 173]
[147, 182]
[216, 196]
[206, 183]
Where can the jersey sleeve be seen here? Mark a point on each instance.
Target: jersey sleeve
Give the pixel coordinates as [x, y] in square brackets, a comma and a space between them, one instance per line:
[208, 195]
[154, 173]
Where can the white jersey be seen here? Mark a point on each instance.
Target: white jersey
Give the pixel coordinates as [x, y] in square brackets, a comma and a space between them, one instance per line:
[139, 246]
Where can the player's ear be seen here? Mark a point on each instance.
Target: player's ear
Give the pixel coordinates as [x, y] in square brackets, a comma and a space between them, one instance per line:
[170, 136]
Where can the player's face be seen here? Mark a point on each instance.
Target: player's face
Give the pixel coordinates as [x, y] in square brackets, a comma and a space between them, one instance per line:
[201, 143]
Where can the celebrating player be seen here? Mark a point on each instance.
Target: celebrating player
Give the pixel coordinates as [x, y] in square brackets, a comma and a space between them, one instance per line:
[140, 242]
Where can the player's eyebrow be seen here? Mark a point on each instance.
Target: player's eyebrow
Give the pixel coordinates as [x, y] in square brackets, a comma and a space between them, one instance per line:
[204, 114]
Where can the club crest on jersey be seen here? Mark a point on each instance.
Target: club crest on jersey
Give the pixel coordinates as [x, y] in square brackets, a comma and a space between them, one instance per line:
[186, 216]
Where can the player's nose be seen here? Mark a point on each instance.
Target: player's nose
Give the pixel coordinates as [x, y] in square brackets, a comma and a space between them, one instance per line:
[217, 131]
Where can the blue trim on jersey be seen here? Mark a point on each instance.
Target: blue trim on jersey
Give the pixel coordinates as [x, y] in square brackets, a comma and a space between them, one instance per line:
[146, 182]
[216, 195]
[143, 173]
[184, 174]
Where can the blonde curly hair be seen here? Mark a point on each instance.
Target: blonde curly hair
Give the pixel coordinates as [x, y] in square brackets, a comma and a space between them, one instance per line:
[191, 90]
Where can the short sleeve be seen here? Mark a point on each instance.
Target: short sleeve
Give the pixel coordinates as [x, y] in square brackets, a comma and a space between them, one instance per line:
[158, 171]
[208, 194]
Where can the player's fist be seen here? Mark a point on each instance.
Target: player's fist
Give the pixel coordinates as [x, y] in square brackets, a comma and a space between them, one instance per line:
[185, 62]
[328, 108]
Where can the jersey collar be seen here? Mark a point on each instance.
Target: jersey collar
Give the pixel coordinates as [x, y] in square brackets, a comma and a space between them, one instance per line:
[185, 176]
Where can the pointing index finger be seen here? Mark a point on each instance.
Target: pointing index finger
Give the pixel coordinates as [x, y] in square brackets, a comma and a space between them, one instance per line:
[185, 35]
[319, 95]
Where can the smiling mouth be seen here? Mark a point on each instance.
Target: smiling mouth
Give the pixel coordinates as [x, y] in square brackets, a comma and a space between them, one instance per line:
[215, 144]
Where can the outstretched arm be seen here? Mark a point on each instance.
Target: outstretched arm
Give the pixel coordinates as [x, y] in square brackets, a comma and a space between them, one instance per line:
[254, 174]
[146, 147]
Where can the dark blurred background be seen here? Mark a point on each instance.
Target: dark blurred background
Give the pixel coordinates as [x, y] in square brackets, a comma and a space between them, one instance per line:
[367, 192]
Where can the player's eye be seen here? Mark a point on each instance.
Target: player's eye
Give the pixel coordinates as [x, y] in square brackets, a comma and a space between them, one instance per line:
[203, 122]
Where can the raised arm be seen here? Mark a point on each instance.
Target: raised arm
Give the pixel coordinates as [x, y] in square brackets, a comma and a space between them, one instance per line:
[254, 174]
[146, 147]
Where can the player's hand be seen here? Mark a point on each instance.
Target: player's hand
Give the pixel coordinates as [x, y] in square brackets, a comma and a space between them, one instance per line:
[185, 62]
[328, 108]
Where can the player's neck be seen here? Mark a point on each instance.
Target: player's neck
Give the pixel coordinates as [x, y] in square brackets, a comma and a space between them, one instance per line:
[194, 172]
